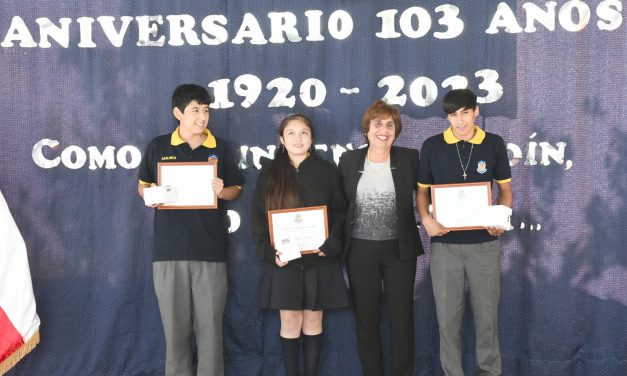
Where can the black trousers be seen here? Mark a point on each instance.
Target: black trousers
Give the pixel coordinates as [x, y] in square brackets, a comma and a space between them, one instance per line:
[368, 263]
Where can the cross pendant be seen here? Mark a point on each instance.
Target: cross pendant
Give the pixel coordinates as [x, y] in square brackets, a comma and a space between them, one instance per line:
[464, 176]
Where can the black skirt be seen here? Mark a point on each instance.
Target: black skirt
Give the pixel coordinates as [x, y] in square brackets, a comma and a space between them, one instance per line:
[316, 288]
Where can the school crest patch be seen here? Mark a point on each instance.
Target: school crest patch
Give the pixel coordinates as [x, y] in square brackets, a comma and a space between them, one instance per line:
[481, 167]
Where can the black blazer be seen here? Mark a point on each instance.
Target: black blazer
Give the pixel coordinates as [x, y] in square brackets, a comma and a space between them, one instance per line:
[404, 165]
[318, 183]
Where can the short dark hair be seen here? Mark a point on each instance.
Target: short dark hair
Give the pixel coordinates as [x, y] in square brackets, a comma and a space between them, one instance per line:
[186, 93]
[380, 109]
[459, 98]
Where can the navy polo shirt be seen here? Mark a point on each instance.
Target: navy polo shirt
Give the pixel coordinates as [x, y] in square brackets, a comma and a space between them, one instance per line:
[440, 164]
[190, 234]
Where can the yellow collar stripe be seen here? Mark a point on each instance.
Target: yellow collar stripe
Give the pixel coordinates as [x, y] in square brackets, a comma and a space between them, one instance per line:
[210, 141]
[478, 138]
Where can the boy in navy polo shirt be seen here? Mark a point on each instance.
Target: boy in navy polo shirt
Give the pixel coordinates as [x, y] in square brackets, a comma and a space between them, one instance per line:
[190, 246]
[464, 153]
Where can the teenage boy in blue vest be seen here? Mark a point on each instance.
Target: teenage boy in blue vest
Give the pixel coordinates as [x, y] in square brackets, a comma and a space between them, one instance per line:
[465, 153]
[190, 245]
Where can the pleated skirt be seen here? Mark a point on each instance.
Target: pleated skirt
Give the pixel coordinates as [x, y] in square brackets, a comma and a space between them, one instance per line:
[315, 288]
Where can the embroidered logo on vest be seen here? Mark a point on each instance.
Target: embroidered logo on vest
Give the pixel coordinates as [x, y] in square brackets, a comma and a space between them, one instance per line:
[481, 167]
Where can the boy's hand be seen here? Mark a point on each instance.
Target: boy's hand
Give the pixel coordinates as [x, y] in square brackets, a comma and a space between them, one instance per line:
[495, 231]
[140, 189]
[153, 205]
[218, 185]
[433, 227]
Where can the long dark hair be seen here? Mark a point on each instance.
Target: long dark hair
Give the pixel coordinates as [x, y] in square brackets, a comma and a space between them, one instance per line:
[281, 186]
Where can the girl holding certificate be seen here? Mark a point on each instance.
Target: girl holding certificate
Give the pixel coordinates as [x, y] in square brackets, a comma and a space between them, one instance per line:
[303, 287]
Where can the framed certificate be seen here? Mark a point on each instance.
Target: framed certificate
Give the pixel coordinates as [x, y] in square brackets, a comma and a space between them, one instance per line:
[461, 206]
[191, 182]
[307, 226]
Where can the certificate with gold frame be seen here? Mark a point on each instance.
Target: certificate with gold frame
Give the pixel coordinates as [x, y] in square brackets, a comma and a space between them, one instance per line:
[308, 226]
[461, 206]
[191, 182]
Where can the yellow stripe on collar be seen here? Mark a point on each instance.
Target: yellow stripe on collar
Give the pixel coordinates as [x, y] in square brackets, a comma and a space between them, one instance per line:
[478, 138]
[210, 141]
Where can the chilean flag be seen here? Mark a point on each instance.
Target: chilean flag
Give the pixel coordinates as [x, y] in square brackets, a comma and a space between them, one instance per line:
[19, 323]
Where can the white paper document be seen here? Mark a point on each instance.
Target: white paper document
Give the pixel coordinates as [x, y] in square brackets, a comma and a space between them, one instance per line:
[159, 195]
[307, 227]
[192, 183]
[460, 206]
[468, 207]
[288, 249]
[497, 216]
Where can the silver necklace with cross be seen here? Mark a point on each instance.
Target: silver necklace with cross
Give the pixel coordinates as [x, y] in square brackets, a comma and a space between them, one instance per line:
[460, 159]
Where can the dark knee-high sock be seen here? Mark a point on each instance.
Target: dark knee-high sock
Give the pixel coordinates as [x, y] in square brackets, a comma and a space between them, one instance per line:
[312, 345]
[290, 348]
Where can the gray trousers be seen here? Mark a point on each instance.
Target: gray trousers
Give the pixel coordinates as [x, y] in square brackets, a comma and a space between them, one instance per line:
[192, 297]
[451, 265]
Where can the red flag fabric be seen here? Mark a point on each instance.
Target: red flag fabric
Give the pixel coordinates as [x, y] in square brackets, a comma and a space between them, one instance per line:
[19, 323]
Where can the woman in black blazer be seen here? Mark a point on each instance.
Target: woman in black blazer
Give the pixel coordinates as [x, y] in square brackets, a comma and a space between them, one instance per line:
[381, 238]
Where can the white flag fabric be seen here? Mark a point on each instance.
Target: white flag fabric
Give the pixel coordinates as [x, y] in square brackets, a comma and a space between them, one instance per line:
[19, 323]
